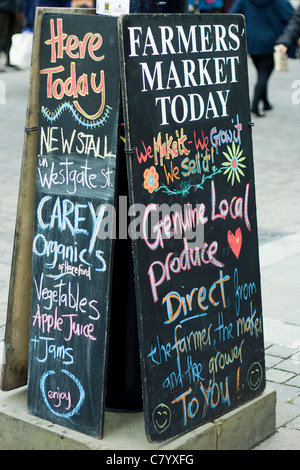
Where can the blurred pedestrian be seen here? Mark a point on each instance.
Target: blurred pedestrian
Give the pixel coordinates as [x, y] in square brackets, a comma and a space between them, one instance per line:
[192, 6]
[210, 6]
[54, 3]
[265, 21]
[290, 35]
[30, 6]
[10, 23]
[83, 4]
[227, 5]
[29, 13]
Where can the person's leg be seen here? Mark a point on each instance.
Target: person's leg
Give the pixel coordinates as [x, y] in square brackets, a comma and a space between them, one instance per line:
[4, 27]
[268, 68]
[15, 27]
[258, 88]
[264, 65]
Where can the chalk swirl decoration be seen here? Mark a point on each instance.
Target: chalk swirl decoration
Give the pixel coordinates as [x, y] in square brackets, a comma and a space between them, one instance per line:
[80, 388]
[53, 116]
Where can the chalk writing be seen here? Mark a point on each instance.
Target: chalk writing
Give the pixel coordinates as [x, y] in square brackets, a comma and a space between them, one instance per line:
[54, 399]
[75, 185]
[187, 121]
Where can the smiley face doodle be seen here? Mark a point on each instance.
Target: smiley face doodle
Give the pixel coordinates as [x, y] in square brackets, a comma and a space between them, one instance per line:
[161, 417]
[254, 376]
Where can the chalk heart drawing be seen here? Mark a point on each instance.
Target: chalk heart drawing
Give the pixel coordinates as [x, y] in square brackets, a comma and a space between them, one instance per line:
[235, 241]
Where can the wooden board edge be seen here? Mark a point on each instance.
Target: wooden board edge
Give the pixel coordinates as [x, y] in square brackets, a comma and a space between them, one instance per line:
[16, 342]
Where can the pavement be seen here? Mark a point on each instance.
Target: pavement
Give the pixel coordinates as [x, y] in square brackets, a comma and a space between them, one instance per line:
[277, 170]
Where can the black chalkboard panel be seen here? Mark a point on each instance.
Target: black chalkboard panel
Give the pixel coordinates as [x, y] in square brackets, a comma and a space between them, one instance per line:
[74, 214]
[194, 228]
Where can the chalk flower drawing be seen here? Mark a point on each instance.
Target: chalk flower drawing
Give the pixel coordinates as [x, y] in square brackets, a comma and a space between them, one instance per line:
[233, 166]
[151, 178]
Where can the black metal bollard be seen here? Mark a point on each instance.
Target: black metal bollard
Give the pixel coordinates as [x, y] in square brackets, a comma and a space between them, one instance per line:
[124, 389]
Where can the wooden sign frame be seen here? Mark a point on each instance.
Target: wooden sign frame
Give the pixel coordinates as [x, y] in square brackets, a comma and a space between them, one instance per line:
[15, 361]
[72, 162]
[165, 390]
[73, 237]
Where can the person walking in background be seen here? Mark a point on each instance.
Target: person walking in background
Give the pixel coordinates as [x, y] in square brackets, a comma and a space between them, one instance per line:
[30, 6]
[10, 23]
[210, 6]
[83, 4]
[54, 3]
[265, 21]
[205, 6]
[290, 35]
[29, 13]
[191, 6]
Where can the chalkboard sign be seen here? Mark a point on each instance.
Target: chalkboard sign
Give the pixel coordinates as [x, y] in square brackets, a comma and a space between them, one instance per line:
[73, 223]
[194, 229]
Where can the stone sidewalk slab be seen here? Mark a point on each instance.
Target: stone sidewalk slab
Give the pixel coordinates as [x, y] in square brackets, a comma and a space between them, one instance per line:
[240, 429]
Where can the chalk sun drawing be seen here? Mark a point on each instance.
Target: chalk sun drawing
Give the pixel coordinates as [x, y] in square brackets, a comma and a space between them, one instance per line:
[233, 166]
[53, 116]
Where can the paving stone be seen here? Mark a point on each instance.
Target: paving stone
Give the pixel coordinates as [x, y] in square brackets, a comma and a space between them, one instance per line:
[286, 412]
[285, 393]
[279, 376]
[295, 381]
[291, 365]
[283, 439]
[294, 319]
[296, 401]
[295, 423]
[272, 361]
[280, 351]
